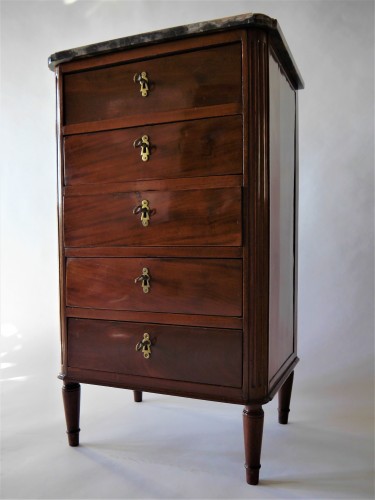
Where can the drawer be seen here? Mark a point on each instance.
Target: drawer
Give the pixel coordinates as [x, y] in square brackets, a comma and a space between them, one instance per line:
[186, 80]
[192, 217]
[177, 285]
[186, 149]
[191, 354]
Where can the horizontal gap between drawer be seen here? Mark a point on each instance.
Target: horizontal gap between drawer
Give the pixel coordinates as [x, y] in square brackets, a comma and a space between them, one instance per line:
[225, 322]
[191, 252]
[154, 118]
[185, 184]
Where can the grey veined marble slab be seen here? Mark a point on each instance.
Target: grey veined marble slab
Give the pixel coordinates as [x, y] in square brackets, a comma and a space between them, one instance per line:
[242, 21]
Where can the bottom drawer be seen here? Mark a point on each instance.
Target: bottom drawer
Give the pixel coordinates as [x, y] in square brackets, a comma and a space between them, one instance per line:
[190, 354]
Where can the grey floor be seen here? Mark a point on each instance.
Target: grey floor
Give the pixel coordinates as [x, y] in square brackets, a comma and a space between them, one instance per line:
[168, 447]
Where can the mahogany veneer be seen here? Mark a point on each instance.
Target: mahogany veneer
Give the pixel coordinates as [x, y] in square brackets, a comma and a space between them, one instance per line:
[194, 148]
[189, 79]
[178, 183]
[174, 285]
[189, 217]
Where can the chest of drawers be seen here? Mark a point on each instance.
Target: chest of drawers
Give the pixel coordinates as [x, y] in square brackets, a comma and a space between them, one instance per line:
[178, 180]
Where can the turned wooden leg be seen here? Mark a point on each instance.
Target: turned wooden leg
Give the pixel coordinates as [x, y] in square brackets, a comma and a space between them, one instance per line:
[253, 417]
[285, 393]
[137, 396]
[71, 396]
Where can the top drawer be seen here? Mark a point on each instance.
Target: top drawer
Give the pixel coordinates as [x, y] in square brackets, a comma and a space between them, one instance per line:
[193, 79]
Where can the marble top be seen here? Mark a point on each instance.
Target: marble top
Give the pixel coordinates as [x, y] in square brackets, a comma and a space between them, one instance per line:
[168, 34]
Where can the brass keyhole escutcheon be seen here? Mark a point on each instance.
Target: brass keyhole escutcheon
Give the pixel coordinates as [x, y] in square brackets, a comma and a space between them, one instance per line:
[143, 82]
[145, 280]
[144, 345]
[144, 144]
[145, 212]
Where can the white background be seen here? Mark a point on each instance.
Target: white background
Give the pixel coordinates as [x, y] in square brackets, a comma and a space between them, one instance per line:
[173, 447]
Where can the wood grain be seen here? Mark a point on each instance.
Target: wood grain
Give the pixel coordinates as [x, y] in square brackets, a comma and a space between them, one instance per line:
[282, 241]
[253, 419]
[200, 355]
[71, 393]
[160, 386]
[154, 118]
[193, 79]
[189, 286]
[178, 184]
[197, 217]
[221, 243]
[185, 149]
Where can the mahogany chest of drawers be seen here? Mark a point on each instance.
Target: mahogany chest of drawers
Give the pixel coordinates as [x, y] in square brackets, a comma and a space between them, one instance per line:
[178, 178]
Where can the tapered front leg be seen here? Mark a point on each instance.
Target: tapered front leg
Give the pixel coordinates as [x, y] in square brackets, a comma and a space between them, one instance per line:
[253, 417]
[285, 393]
[72, 396]
[137, 396]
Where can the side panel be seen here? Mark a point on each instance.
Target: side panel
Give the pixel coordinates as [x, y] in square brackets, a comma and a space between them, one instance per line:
[282, 163]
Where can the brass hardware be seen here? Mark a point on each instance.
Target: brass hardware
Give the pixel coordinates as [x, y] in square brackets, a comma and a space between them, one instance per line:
[145, 345]
[144, 144]
[145, 211]
[143, 81]
[145, 280]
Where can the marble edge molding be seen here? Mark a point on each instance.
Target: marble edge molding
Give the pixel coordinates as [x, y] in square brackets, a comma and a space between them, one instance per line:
[244, 20]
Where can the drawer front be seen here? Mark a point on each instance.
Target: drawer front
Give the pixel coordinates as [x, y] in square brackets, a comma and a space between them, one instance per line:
[187, 80]
[193, 217]
[191, 354]
[177, 285]
[186, 149]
